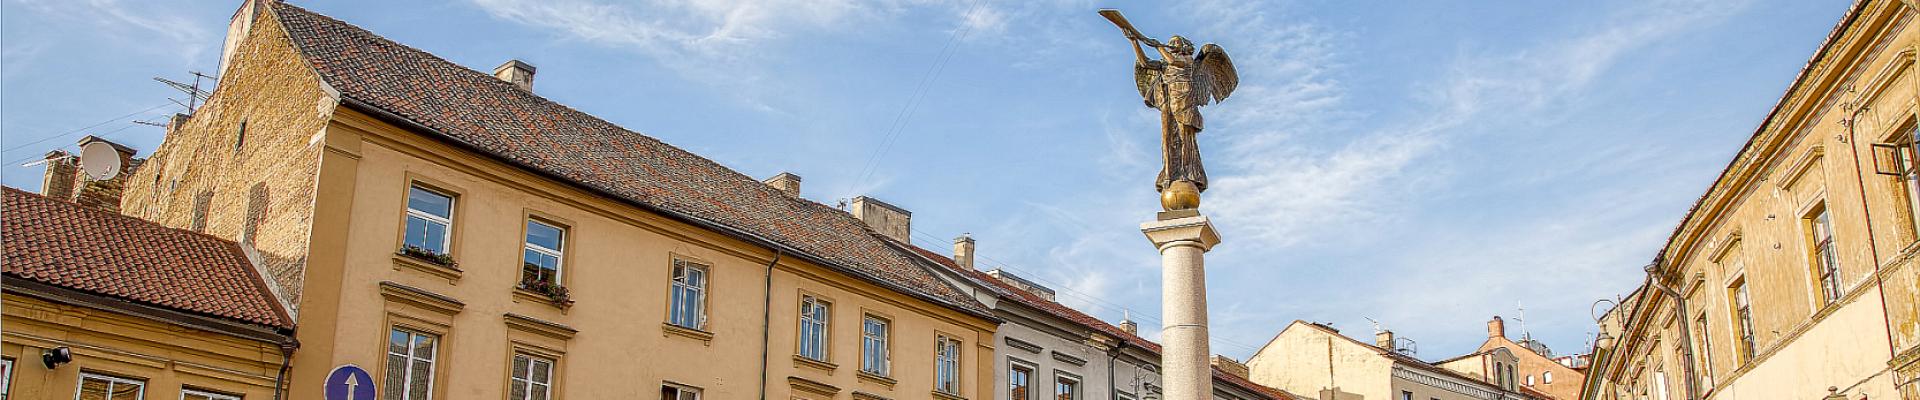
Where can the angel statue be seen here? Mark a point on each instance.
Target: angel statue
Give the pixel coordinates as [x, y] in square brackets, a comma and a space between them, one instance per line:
[1177, 84]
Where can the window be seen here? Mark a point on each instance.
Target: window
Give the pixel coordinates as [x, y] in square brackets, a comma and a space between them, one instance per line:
[1406, 395]
[240, 136]
[1826, 264]
[6, 377]
[532, 378]
[196, 394]
[1907, 169]
[1529, 380]
[873, 345]
[1703, 346]
[1742, 319]
[688, 298]
[678, 392]
[946, 364]
[429, 219]
[814, 314]
[1499, 375]
[410, 358]
[1019, 382]
[543, 255]
[102, 387]
[1546, 377]
[1066, 387]
[1660, 384]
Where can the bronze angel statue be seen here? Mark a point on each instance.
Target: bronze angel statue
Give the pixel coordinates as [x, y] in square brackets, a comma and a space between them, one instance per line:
[1177, 84]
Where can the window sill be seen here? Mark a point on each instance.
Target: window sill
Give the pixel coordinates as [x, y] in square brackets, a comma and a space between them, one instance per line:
[521, 295]
[876, 378]
[703, 336]
[451, 274]
[815, 364]
[947, 396]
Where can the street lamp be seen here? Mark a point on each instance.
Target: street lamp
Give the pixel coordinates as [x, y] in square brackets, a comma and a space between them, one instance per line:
[1605, 341]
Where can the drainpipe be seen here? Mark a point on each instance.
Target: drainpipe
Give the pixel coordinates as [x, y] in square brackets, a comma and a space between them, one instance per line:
[1873, 246]
[766, 323]
[286, 362]
[1681, 319]
[1113, 357]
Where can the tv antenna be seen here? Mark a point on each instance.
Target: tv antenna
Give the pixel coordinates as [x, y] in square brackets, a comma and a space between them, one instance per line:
[195, 95]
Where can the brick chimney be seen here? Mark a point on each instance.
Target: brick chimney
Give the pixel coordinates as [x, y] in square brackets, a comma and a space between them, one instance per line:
[104, 194]
[516, 72]
[963, 251]
[786, 182]
[1384, 339]
[1127, 325]
[890, 221]
[1497, 327]
[63, 173]
[1230, 366]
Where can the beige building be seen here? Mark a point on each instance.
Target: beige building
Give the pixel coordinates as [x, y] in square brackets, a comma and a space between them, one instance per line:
[461, 237]
[1794, 272]
[98, 305]
[1316, 360]
[1526, 363]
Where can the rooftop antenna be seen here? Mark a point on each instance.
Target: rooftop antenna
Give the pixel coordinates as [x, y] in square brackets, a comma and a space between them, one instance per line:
[1376, 324]
[1522, 318]
[194, 94]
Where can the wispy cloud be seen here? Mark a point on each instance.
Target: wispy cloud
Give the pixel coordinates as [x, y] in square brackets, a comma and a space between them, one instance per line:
[136, 24]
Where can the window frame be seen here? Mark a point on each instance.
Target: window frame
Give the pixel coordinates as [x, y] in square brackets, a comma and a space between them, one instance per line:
[112, 380]
[675, 285]
[942, 357]
[1013, 366]
[559, 255]
[453, 211]
[681, 391]
[1739, 303]
[433, 361]
[882, 343]
[532, 360]
[6, 377]
[1822, 260]
[816, 346]
[1703, 346]
[209, 394]
[1069, 382]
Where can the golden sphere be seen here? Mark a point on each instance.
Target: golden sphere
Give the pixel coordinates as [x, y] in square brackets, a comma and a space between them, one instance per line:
[1180, 195]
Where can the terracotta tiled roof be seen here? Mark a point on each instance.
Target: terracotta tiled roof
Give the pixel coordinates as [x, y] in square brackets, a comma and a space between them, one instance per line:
[483, 113]
[1009, 291]
[68, 246]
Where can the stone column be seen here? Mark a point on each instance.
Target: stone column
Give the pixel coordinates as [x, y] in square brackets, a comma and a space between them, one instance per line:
[1183, 238]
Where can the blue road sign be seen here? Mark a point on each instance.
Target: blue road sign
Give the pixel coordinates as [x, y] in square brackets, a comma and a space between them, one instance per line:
[349, 382]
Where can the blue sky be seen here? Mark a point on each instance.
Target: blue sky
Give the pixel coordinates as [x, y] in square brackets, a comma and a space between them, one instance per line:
[1424, 164]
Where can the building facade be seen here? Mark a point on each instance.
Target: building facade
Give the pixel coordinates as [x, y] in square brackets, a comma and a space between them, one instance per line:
[1527, 363]
[102, 306]
[1051, 351]
[1794, 269]
[1312, 358]
[460, 237]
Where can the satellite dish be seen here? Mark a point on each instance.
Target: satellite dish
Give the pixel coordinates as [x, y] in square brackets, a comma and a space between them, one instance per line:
[100, 160]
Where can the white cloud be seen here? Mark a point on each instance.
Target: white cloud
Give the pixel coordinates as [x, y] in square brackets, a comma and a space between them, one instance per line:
[138, 24]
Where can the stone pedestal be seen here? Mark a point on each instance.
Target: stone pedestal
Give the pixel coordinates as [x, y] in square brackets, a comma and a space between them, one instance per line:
[1183, 239]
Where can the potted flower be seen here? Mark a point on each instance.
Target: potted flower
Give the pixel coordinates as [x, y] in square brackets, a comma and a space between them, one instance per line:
[547, 287]
[430, 256]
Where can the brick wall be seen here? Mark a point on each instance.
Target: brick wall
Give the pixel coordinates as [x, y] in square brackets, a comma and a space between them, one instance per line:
[258, 191]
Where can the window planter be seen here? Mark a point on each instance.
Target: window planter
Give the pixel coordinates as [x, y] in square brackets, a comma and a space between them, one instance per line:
[553, 292]
[428, 256]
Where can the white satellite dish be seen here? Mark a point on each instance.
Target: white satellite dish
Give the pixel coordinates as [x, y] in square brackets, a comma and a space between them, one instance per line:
[100, 160]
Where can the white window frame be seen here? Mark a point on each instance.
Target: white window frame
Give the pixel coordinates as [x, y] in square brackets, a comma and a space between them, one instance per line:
[876, 356]
[559, 255]
[446, 241]
[1742, 306]
[1826, 264]
[680, 392]
[533, 362]
[209, 395]
[6, 378]
[816, 316]
[681, 274]
[433, 361]
[1017, 365]
[946, 364]
[111, 382]
[1704, 350]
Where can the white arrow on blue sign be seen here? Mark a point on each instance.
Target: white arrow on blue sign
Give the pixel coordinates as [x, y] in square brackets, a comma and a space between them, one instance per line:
[350, 382]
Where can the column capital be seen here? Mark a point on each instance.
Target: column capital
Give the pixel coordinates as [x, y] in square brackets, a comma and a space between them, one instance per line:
[1195, 228]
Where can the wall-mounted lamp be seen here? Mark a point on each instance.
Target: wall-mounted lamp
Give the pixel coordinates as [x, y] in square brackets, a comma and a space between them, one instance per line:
[1605, 341]
[55, 356]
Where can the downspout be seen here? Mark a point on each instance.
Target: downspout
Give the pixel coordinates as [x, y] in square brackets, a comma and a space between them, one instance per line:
[1113, 357]
[1873, 246]
[766, 322]
[1681, 319]
[286, 363]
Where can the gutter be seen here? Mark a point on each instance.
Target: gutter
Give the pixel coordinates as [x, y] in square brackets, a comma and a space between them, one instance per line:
[766, 324]
[396, 119]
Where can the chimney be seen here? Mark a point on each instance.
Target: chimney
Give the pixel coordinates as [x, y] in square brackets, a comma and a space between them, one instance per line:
[1230, 366]
[963, 251]
[786, 182]
[1384, 339]
[516, 72]
[63, 170]
[1127, 325]
[893, 222]
[104, 194]
[1497, 327]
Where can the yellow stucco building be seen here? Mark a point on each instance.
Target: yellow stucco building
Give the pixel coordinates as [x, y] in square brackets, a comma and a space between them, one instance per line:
[461, 237]
[1795, 268]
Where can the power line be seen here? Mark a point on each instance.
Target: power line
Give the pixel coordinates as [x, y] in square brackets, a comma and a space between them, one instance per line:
[83, 129]
[899, 124]
[103, 135]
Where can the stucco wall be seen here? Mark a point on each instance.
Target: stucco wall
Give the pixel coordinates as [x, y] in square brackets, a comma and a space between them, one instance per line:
[1298, 361]
[165, 356]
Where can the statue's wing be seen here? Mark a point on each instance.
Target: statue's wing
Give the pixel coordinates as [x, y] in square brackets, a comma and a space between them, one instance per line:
[1213, 75]
[1143, 76]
